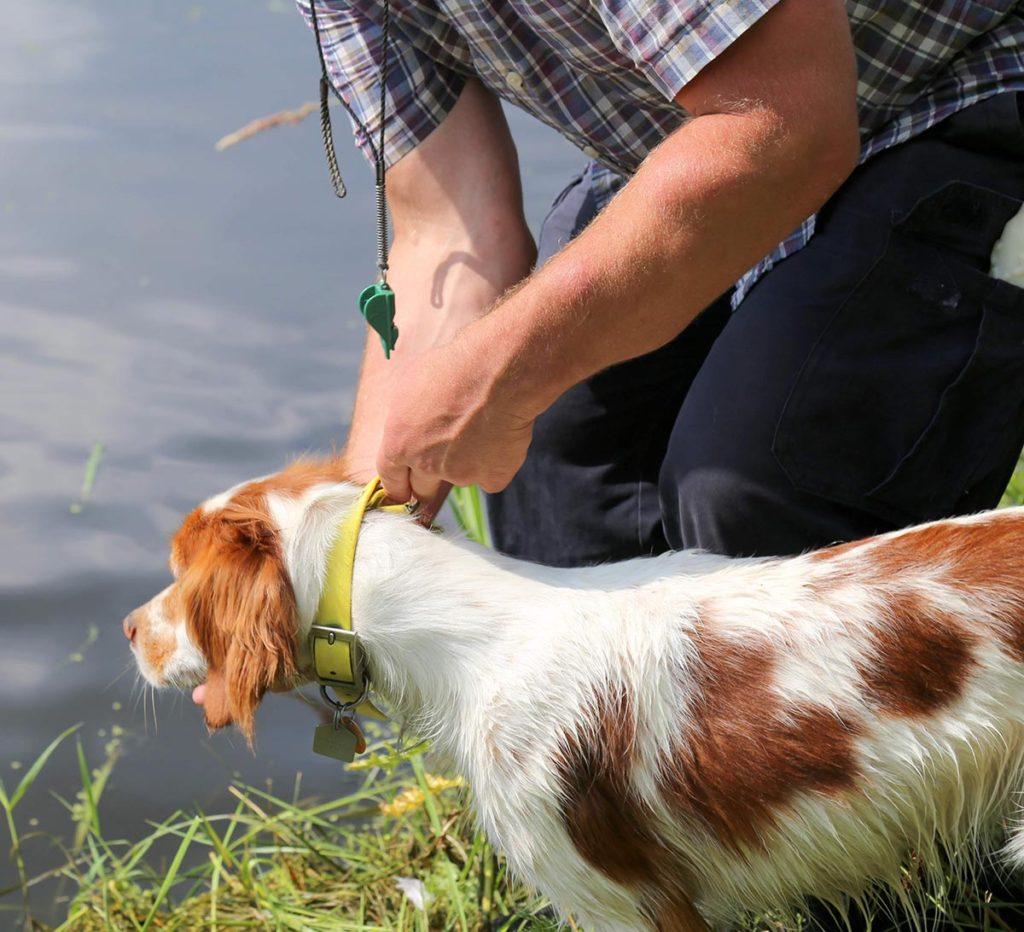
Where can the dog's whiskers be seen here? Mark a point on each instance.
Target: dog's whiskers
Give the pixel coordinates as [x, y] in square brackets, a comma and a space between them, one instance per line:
[117, 676]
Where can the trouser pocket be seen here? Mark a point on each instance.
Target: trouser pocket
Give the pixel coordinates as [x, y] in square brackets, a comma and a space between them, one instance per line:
[911, 404]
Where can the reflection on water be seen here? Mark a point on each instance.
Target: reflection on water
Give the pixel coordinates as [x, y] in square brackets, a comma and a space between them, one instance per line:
[191, 311]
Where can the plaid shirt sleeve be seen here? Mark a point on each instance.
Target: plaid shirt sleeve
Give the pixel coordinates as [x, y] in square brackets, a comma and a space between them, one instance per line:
[420, 92]
[671, 41]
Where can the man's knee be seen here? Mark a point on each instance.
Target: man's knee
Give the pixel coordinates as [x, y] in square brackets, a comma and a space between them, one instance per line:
[734, 512]
[709, 508]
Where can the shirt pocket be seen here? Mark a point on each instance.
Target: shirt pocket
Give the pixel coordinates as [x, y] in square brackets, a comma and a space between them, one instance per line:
[914, 393]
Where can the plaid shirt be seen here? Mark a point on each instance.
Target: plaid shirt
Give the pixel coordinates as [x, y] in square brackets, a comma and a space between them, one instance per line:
[604, 73]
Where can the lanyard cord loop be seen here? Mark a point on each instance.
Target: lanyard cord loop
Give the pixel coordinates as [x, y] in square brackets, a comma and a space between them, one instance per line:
[327, 132]
[381, 167]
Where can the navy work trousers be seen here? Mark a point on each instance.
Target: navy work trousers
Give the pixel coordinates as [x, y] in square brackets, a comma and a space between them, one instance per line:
[872, 380]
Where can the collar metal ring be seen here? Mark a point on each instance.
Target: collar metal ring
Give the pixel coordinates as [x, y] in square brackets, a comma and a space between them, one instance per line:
[343, 707]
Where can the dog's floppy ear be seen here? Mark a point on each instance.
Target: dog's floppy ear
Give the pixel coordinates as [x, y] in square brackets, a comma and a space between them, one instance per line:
[243, 615]
[261, 654]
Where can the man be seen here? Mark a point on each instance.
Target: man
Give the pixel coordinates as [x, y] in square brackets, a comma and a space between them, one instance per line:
[669, 375]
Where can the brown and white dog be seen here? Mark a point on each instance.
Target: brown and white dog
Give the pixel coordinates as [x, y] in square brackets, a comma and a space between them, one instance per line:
[735, 733]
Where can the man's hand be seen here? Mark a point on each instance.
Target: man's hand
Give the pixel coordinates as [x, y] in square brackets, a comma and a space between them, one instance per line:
[451, 421]
[774, 133]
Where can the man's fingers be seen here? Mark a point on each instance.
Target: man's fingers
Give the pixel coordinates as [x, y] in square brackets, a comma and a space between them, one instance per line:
[395, 479]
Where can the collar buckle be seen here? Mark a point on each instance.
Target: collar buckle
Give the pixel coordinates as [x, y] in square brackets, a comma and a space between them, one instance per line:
[337, 659]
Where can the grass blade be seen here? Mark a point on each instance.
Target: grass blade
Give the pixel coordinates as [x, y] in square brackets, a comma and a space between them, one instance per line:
[429, 802]
[468, 506]
[87, 787]
[40, 762]
[172, 873]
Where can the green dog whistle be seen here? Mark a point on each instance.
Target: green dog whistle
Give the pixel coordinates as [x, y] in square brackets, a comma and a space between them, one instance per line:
[377, 305]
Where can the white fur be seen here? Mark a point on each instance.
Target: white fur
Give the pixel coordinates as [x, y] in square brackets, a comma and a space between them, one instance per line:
[497, 659]
[217, 502]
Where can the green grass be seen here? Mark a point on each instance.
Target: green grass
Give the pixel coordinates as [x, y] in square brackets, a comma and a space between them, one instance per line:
[1014, 494]
[470, 512]
[277, 863]
[281, 863]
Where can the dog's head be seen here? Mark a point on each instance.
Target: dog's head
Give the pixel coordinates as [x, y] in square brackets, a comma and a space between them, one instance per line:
[230, 619]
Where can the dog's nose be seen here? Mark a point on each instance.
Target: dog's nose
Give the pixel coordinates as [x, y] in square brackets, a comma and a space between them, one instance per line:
[129, 627]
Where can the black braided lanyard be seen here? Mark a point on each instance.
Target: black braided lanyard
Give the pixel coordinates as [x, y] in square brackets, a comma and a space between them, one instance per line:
[326, 87]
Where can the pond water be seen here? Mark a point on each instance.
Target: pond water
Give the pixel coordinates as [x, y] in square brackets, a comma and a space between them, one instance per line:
[191, 311]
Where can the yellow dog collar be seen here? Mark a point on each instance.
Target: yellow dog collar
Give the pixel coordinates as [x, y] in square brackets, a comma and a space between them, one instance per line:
[333, 644]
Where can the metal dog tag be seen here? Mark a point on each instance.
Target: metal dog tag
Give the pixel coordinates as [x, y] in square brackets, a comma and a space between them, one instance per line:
[341, 741]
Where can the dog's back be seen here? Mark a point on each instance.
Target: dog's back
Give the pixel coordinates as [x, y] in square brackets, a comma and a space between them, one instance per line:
[770, 729]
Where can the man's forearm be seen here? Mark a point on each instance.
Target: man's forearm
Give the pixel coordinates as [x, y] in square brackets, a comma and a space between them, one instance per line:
[774, 133]
[702, 209]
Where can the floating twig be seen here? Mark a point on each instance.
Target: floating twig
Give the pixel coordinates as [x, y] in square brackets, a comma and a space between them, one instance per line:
[281, 118]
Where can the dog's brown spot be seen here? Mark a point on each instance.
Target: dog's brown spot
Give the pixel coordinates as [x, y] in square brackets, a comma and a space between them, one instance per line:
[981, 554]
[920, 658]
[981, 558]
[603, 817]
[744, 755]
[188, 539]
[300, 476]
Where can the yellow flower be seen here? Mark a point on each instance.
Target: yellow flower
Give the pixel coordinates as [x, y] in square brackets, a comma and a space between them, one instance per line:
[438, 783]
[404, 802]
[412, 798]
